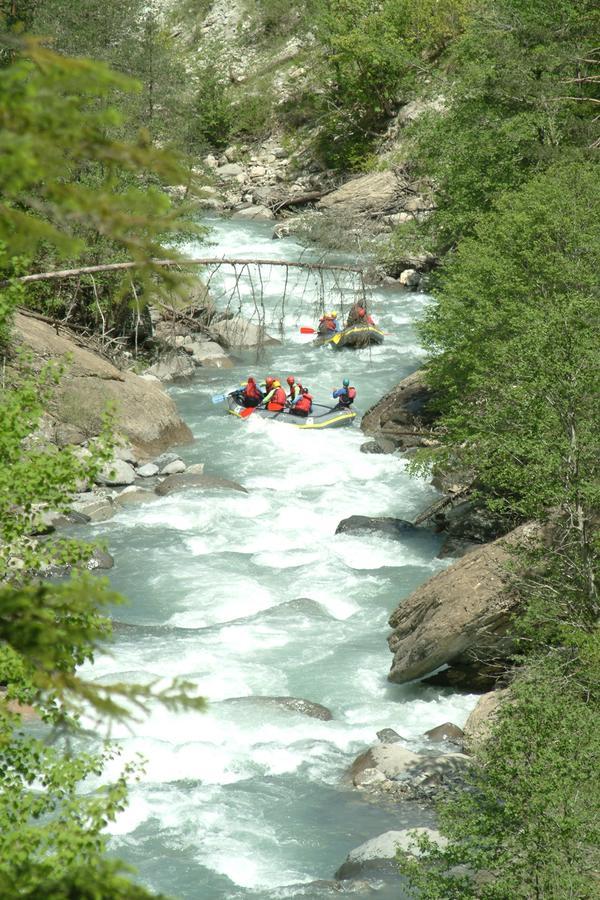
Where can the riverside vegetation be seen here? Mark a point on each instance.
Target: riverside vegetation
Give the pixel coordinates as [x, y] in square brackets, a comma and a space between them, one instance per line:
[508, 147]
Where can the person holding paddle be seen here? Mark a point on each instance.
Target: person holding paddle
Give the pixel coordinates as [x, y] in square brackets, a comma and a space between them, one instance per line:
[251, 393]
[275, 398]
[345, 395]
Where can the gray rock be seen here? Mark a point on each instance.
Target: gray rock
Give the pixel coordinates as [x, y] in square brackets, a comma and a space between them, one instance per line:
[375, 192]
[209, 354]
[241, 334]
[195, 469]
[254, 213]
[462, 616]
[164, 459]
[172, 367]
[230, 170]
[379, 445]
[186, 481]
[133, 495]
[174, 468]
[402, 416]
[420, 775]
[389, 736]
[292, 704]
[398, 529]
[410, 278]
[116, 472]
[379, 853]
[127, 454]
[148, 470]
[446, 732]
[100, 559]
[96, 509]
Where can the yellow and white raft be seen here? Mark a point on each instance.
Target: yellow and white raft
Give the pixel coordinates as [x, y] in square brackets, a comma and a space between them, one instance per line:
[355, 336]
[321, 416]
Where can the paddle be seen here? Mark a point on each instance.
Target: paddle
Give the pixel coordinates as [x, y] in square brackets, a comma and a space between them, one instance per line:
[306, 330]
[218, 398]
[247, 411]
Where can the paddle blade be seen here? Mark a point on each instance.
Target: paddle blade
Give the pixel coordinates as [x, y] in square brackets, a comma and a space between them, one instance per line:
[247, 412]
[218, 398]
[306, 330]
[336, 339]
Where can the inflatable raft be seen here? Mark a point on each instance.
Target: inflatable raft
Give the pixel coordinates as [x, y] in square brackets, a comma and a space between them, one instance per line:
[321, 417]
[356, 337]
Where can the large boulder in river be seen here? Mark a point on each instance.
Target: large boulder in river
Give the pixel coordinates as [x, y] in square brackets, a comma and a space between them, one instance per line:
[460, 617]
[386, 525]
[239, 333]
[190, 481]
[144, 413]
[378, 855]
[377, 192]
[395, 771]
[402, 417]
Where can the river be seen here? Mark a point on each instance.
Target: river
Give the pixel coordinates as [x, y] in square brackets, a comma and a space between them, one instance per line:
[250, 595]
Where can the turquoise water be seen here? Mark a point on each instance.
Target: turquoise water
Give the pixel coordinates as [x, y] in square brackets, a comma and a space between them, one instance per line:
[249, 595]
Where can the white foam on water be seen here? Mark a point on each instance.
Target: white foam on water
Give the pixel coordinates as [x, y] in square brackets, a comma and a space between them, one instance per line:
[215, 571]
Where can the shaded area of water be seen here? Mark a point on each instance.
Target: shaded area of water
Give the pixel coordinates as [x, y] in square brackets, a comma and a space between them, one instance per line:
[249, 595]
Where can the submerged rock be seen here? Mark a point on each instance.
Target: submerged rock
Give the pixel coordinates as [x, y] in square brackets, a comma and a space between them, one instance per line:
[389, 736]
[293, 704]
[387, 525]
[446, 732]
[378, 855]
[133, 495]
[100, 559]
[189, 481]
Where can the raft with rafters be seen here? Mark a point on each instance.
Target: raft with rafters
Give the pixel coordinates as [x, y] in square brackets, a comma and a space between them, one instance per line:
[321, 417]
[355, 337]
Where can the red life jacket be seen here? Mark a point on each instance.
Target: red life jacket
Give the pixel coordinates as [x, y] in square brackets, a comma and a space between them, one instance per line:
[348, 398]
[252, 392]
[277, 401]
[328, 322]
[304, 404]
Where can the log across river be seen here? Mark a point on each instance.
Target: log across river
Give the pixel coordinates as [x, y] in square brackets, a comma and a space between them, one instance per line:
[251, 595]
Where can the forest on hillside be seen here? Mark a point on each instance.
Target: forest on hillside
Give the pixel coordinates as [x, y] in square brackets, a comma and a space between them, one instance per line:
[104, 107]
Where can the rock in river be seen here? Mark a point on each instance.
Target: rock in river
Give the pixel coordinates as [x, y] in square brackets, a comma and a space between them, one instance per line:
[460, 617]
[378, 855]
[401, 418]
[293, 704]
[387, 525]
[189, 481]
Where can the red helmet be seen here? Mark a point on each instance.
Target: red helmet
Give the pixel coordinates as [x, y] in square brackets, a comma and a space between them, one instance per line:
[269, 380]
[291, 380]
[251, 379]
[361, 311]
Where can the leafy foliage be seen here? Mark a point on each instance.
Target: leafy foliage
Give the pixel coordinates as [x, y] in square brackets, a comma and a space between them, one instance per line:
[372, 54]
[514, 338]
[518, 88]
[528, 826]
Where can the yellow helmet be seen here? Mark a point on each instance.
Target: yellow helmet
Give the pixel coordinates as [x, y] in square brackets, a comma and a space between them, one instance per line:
[333, 315]
[276, 384]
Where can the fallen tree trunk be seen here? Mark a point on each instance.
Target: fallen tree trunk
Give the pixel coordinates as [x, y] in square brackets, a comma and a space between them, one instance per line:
[115, 267]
